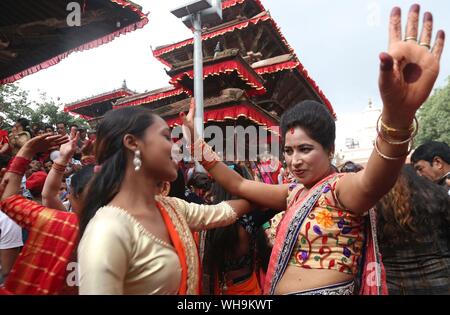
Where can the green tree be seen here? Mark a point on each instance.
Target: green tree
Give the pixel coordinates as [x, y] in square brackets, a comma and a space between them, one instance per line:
[47, 111]
[434, 117]
[15, 103]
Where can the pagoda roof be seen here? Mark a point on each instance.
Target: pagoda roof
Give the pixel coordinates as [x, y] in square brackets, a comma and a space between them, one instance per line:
[152, 98]
[35, 34]
[228, 69]
[288, 82]
[243, 8]
[98, 104]
[232, 105]
[227, 4]
[182, 51]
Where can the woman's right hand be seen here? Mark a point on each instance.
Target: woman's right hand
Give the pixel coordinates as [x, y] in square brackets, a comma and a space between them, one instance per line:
[188, 123]
[68, 149]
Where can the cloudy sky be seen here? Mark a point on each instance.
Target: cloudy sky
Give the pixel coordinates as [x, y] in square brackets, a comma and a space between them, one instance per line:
[337, 41]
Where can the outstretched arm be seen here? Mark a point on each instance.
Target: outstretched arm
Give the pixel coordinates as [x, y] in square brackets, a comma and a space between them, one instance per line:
[267, 196]
[407, 75]
[29, 149]
[50, 193]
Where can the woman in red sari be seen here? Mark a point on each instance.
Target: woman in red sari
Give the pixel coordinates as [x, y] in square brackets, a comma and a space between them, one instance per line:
[319, 241]
[41, 267]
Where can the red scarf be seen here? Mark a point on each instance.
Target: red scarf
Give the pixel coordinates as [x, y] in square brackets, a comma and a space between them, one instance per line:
[53, 237]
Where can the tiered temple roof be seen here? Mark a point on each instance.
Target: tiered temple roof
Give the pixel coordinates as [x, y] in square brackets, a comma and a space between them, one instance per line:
[98, 105]
[35, 35]
[247, 54]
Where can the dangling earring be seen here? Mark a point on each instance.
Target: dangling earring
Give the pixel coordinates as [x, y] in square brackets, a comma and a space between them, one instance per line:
[137, 160]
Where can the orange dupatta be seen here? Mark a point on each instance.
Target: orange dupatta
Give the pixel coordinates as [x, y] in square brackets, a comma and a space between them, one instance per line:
[185, 246]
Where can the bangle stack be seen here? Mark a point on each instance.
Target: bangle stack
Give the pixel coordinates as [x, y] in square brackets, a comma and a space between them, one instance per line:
[391, 135]
[59, 168]
[208, 158]
[18, 165]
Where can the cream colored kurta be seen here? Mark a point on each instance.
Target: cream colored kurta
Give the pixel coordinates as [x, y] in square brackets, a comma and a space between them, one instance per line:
[117, 255]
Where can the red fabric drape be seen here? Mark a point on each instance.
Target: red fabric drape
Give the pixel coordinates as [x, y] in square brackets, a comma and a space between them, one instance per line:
[289, 65]
[98, 99]
[256, 86]
[233, 113]
[41, 267]
[231, 3]
[95, 43]
[152, 98]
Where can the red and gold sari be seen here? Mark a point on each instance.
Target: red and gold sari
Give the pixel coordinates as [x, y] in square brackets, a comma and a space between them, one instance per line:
[53, 237]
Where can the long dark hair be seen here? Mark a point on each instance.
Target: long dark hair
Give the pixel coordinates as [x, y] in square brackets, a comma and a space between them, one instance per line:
[111, 155]
[221, 242]
[178, 187]
[414, 206]
[25, 123]
[81, 179]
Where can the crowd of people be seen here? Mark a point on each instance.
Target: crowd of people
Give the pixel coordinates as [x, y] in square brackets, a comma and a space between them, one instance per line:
[115, 203]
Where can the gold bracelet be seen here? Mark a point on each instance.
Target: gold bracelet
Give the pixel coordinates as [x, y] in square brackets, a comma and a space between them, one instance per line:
[414, 128]
[389, 158]
[383, 133]
[382, 137]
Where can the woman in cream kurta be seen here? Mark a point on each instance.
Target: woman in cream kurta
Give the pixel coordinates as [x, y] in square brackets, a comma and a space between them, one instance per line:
[133, 241]
[119, 256]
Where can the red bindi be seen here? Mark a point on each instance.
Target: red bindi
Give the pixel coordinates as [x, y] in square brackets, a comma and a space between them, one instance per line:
[292, 131]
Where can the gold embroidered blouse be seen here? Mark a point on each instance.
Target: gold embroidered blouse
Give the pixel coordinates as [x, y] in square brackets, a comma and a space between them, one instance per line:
[117, 255]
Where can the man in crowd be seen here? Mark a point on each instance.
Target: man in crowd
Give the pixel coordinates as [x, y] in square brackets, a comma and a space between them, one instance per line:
[432, 160]
[61, 128]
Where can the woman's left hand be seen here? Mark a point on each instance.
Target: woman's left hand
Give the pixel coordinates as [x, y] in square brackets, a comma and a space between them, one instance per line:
[410, 68]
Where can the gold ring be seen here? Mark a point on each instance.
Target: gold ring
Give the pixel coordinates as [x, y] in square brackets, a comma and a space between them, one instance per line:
[411, 38]
[425, 45]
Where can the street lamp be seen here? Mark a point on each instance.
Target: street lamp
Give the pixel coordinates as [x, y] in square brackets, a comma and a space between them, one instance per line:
[192, 15]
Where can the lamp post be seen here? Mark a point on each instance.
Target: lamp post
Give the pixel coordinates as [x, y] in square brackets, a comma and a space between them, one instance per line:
[192, 15]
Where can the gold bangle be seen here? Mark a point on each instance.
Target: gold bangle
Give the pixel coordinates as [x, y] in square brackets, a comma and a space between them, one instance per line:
[412, 128]
[390, 158]
[393, 142]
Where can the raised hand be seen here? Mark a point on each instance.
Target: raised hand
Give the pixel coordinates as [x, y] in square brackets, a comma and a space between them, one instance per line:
[42, 143]
[68, 149]
[188, 122]
[410, 68]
